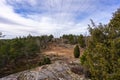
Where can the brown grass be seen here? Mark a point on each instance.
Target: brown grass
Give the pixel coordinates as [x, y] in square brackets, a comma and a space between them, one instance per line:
[64, 50]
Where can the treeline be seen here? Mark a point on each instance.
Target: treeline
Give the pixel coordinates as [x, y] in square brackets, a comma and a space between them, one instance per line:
[102, 56]
[75, 39]
[20, 53]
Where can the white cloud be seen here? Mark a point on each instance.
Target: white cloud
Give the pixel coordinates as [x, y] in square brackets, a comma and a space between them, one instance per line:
[51, 16]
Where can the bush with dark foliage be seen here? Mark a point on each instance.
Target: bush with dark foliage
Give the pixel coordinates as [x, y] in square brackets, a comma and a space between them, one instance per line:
[76, 51]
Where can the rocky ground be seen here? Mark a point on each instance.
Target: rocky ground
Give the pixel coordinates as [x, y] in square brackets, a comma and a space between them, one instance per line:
[56, 71]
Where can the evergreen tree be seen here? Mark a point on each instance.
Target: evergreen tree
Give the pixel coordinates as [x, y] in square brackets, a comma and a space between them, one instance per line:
[76, 51]
[81, 41]
[21, 52]
[102, 56]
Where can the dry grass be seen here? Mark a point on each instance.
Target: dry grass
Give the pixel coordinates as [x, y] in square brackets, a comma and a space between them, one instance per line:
[64, 50]
[56, 49]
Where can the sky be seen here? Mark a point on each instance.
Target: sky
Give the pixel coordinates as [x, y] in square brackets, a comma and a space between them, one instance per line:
[57, 17]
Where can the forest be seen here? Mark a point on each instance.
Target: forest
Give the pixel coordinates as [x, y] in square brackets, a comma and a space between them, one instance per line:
[20, 53]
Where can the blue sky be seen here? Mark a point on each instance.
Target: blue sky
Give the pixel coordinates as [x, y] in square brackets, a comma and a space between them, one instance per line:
[39, 17]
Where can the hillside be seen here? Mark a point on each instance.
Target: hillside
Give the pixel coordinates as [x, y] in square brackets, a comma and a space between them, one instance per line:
[63, 66]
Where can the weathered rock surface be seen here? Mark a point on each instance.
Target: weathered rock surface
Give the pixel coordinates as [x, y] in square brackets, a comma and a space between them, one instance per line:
[57, 71]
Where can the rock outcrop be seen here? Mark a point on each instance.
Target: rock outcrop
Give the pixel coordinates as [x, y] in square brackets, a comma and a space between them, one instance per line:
[56, 71]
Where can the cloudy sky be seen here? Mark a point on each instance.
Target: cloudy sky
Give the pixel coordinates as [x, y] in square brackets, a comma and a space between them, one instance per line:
[38, 17]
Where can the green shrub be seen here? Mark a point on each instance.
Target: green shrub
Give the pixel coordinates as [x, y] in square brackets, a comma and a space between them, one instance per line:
[46, 60]
[81, 41]
[83, 57]
[76, 51]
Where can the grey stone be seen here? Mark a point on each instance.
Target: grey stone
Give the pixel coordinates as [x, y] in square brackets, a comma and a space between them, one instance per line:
[56, 71]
